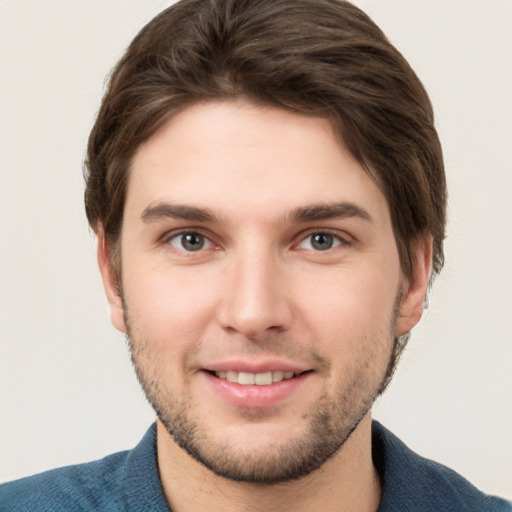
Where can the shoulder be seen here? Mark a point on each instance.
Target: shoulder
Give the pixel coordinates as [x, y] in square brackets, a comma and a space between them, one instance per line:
[411, 482]
[92, 486]
[124, 481]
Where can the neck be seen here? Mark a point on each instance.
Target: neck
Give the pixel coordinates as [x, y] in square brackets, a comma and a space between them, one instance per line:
[347, 481]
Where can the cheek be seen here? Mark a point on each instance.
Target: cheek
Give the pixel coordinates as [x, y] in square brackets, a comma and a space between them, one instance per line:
[349, 307]
[166, 308]
[346, 297]
[352, 324]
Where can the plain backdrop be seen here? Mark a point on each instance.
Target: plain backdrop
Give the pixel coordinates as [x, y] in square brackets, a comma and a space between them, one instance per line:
[67, 390]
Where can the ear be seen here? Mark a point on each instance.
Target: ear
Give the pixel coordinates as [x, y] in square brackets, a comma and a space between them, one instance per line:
[109, 283]
[415, 289]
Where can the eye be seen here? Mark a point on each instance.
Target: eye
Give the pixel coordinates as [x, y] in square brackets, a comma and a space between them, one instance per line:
[320, 242]
[189, 242]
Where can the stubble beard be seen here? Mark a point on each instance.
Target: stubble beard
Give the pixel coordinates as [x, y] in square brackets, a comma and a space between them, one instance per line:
[332, 421]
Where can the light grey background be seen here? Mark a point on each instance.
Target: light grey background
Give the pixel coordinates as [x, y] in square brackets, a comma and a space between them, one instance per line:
[67, 392]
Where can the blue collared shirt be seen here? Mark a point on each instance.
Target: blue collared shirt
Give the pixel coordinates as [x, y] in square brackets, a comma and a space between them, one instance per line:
[129, 482]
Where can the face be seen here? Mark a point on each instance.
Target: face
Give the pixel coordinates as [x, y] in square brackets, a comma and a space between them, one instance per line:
[261, 288]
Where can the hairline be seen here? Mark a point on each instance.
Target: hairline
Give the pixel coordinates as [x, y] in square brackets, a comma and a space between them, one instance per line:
[114, 239]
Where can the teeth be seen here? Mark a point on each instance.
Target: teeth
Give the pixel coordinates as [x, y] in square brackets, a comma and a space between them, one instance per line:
[232, 376]
[246, 378]
[260, 379]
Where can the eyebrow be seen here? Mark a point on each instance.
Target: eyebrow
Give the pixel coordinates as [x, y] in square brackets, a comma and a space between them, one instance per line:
[309, 213]
[177, 211]
[329, 211]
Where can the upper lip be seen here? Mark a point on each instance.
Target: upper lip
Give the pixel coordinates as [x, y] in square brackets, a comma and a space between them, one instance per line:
[268, 365]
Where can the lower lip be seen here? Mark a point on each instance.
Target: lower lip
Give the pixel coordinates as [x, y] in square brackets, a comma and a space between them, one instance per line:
[254, 396]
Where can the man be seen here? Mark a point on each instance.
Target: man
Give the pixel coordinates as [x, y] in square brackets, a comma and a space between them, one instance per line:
[268, 192]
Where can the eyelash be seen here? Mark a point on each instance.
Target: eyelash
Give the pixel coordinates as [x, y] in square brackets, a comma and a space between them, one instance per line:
[337, 240]
[176, 236]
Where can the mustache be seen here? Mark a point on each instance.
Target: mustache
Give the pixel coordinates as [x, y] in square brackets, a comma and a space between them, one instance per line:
[270, 345]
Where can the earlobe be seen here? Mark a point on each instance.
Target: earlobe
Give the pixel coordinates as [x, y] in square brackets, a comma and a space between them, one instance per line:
[110, 284]
[415, 289]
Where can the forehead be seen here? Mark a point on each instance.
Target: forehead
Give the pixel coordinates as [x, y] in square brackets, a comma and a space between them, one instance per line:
[238, 158]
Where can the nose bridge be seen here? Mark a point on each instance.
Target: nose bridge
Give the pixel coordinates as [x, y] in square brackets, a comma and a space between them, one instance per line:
[255, 299]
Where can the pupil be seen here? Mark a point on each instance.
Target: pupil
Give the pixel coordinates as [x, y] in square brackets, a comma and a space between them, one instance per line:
[192, 242]
[321, 241]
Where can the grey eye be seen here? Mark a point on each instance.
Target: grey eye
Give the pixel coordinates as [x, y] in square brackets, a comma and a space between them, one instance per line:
[320, 242]
[189, 242]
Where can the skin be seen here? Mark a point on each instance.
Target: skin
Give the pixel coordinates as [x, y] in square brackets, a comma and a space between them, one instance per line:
[260, 293]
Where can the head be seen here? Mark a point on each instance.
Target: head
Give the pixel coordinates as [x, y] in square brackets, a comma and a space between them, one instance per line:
[319, 59]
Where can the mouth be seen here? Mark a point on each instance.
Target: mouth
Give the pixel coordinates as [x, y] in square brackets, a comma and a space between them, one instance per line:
[255, 379]
[256, 389]
[251, 379]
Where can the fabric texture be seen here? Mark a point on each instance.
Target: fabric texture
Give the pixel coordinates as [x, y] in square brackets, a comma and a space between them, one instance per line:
[129, 482]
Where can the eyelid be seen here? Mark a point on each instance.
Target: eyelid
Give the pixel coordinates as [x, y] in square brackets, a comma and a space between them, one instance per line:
[169, 235]
[342, 237]
[185, 230]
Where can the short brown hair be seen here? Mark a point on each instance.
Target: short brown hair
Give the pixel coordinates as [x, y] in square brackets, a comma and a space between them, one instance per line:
[315, 57]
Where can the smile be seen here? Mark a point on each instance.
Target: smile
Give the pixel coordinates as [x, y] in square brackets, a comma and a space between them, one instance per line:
[258, 379]
[257, 388]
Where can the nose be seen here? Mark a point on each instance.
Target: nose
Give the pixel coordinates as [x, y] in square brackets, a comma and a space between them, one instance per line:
[256, 298]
